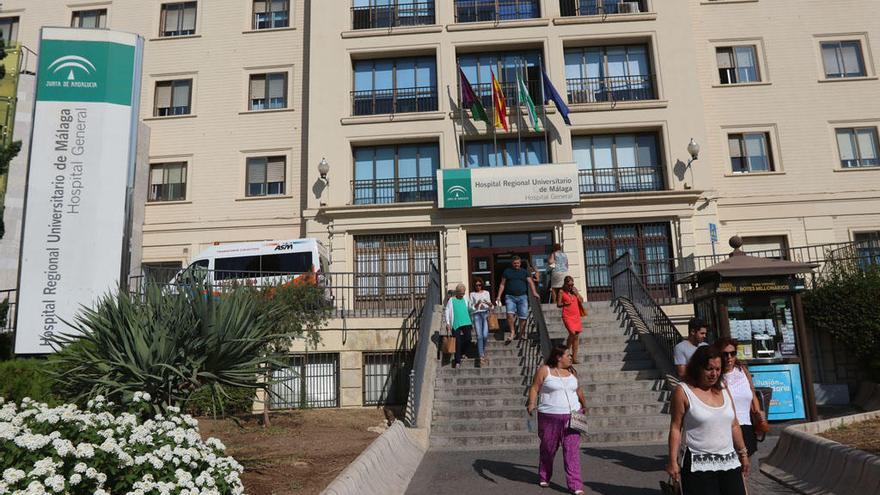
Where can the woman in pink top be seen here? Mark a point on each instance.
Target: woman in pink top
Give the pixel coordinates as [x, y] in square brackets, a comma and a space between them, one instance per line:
[570, 301]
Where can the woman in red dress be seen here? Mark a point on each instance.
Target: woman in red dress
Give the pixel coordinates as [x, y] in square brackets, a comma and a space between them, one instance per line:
[570, 301]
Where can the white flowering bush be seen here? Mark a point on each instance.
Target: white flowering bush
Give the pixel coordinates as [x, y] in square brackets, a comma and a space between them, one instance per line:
[65, 450]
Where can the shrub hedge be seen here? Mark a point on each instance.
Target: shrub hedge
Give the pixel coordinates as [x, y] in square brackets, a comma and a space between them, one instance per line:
[20, 378]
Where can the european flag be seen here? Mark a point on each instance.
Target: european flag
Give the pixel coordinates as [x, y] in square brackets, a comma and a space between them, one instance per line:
[550, 94]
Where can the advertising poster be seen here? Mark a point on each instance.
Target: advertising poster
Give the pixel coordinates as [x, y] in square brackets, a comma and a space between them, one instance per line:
[788, 396]
[80, 169]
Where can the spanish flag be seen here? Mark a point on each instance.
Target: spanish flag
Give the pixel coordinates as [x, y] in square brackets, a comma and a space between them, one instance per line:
[499, 106]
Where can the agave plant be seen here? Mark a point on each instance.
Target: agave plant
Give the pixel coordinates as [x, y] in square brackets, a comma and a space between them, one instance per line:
[168, 345]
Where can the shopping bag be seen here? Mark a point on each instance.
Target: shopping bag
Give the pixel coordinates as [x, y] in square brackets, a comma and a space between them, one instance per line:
[448, 346]
[671, 487]
[492, 319]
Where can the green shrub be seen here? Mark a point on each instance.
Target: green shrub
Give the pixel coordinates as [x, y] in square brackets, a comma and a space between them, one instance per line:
[236, 401]
[6, 345]
[20, 378]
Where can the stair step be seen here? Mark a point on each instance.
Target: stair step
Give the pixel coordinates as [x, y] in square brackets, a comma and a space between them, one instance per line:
[606, 357]
[640, 422]
[450, 383]
[598, 399]
[586, 374]
[472, 414]
[511, 439]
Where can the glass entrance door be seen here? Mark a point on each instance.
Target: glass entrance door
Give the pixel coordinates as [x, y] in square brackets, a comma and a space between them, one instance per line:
[490, 254]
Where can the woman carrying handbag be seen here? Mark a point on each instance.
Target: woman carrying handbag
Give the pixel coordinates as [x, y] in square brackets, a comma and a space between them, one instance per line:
[738, 381]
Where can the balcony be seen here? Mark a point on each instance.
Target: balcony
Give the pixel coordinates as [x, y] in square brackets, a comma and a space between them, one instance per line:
[607, 89]
[401, 100]
[511, 94]
[496, 10]
[386, 16]
[621, 179]
[398, 190]
[577, 8]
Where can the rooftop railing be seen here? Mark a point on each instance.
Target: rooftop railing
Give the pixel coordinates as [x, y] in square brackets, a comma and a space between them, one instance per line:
[395, 15]
[573, 8]
[496, 10]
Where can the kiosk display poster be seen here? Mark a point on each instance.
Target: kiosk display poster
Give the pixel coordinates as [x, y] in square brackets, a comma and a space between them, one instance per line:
[788, 396]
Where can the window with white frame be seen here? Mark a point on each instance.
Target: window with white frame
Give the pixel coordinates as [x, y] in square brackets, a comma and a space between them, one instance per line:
[843, 59]
[96, 18]
[268, 91]
[167, 182]
[9, 30]
[737, 64]
[178, 19]
[173, 98]
[271, 14]
[750, 152]
[265, 175]
[858, 147]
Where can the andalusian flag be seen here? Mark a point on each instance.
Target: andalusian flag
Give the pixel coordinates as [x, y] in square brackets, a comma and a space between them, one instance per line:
[525, 98]
[470, 101]
[499, 105]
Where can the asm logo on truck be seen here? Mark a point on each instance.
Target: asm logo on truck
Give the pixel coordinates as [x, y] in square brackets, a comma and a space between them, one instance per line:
[284, 247]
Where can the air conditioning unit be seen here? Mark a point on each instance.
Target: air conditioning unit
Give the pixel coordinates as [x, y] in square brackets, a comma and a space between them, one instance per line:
[628, 7]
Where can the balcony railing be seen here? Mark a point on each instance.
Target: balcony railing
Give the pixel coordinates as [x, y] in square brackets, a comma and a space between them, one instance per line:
[574, 8]
[604, 89]
[400, 100]
[511, 94]
[496, 10]
[399, 190]
[384, 16]
[622, 179]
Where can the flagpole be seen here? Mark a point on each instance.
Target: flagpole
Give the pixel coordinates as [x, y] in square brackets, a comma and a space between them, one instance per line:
[494, 115]
[518, 108]
[544, 111]
[459, 139]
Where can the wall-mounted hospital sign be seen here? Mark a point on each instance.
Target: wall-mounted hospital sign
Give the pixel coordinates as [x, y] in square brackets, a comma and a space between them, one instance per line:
[526, 185]
[80, 171]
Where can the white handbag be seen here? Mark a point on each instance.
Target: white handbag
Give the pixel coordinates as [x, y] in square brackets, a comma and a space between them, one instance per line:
[578, 420]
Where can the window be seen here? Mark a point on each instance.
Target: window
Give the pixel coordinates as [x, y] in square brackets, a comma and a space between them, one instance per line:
[369, 14]
[9, 30]
[618, 163]
[391, 269]
[608, 73]
[496, 10]
[766, 246]
[269, 14]
[868, 248]
[843, 59]
[858, 147]
[89, 19]
[178, 19]
[251, 266]
[386, 377]
[265, 175]
[749, 152]
[478, 69]
[395, 174]
[507, 153]
[173, 98]
[268, 91]
[569, 8]
[737, 64]
[308, 380]
[650, 249]
[167, 182]
[394, 85]
[160, 272]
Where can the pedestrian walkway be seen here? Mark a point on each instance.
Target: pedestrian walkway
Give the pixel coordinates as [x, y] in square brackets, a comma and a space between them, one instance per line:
[607, 471]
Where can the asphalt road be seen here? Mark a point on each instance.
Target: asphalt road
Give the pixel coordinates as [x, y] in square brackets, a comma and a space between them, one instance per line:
[607, 471]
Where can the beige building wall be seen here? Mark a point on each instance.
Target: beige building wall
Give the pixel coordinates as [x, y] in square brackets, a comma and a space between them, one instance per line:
[220, 132]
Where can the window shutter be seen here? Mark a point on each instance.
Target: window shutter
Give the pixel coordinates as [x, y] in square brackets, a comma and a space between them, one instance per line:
[724, 58]
[275, 169]
[102, 19]
[279, 6]
[735, 144]
[846, 145]
[156, 174]
[189, 17]
[829, 58]
[867, 144]
[180, 97]
[851, 55]
[163, 95]
[258, 87]
[172, 18]
[256, 171]
[276, 85]
[259, 6]
[764, 243]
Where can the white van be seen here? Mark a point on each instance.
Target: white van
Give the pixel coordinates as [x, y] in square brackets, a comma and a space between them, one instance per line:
[256, 263]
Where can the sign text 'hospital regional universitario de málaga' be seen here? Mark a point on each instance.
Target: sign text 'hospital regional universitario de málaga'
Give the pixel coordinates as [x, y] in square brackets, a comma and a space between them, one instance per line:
[527, 185]
[79, 174]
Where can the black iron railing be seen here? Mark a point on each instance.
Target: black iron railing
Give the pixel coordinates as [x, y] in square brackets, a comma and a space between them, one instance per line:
[622, 179]
[536, 347]
[496, 10]
[309, 380]
[400, 100]
[607, 89]
[398, 190]
[511, 93]
[627, 285]
[572, 8]
[422, 346]
[395, 15]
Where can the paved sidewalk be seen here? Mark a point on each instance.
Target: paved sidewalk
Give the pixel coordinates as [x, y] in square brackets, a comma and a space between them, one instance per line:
[607, 471]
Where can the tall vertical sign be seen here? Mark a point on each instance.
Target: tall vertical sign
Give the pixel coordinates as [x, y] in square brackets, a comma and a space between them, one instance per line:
[80, 173]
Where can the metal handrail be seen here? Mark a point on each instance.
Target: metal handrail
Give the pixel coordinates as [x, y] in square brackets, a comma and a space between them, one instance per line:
[572, 8]
[396, 100]
[638, 87]
[536, 347]
[627, 285]
[496, 10]
[395, 15]
[422, 347]
[396, 190]
[620, 179]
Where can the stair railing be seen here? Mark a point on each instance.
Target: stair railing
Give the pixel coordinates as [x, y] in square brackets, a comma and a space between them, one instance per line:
[535, 348]
[627, 285]
[423, 347]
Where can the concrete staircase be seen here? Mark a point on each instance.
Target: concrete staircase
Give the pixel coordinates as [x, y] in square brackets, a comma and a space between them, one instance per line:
[484, 408]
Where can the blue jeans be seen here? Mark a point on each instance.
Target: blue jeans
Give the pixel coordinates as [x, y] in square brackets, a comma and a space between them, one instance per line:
[481, 325]
[518, 305]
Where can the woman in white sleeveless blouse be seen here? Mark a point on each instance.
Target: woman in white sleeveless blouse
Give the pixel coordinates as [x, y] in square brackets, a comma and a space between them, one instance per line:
[706, 448]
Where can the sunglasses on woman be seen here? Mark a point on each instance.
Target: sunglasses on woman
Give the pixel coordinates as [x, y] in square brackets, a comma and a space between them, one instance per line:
[729, 354]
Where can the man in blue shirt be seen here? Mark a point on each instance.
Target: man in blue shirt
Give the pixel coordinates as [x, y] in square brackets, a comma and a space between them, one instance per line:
[517, 283]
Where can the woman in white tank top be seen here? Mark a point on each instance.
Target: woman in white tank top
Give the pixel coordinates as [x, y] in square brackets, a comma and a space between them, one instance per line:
[738, 381]
[706, 448]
